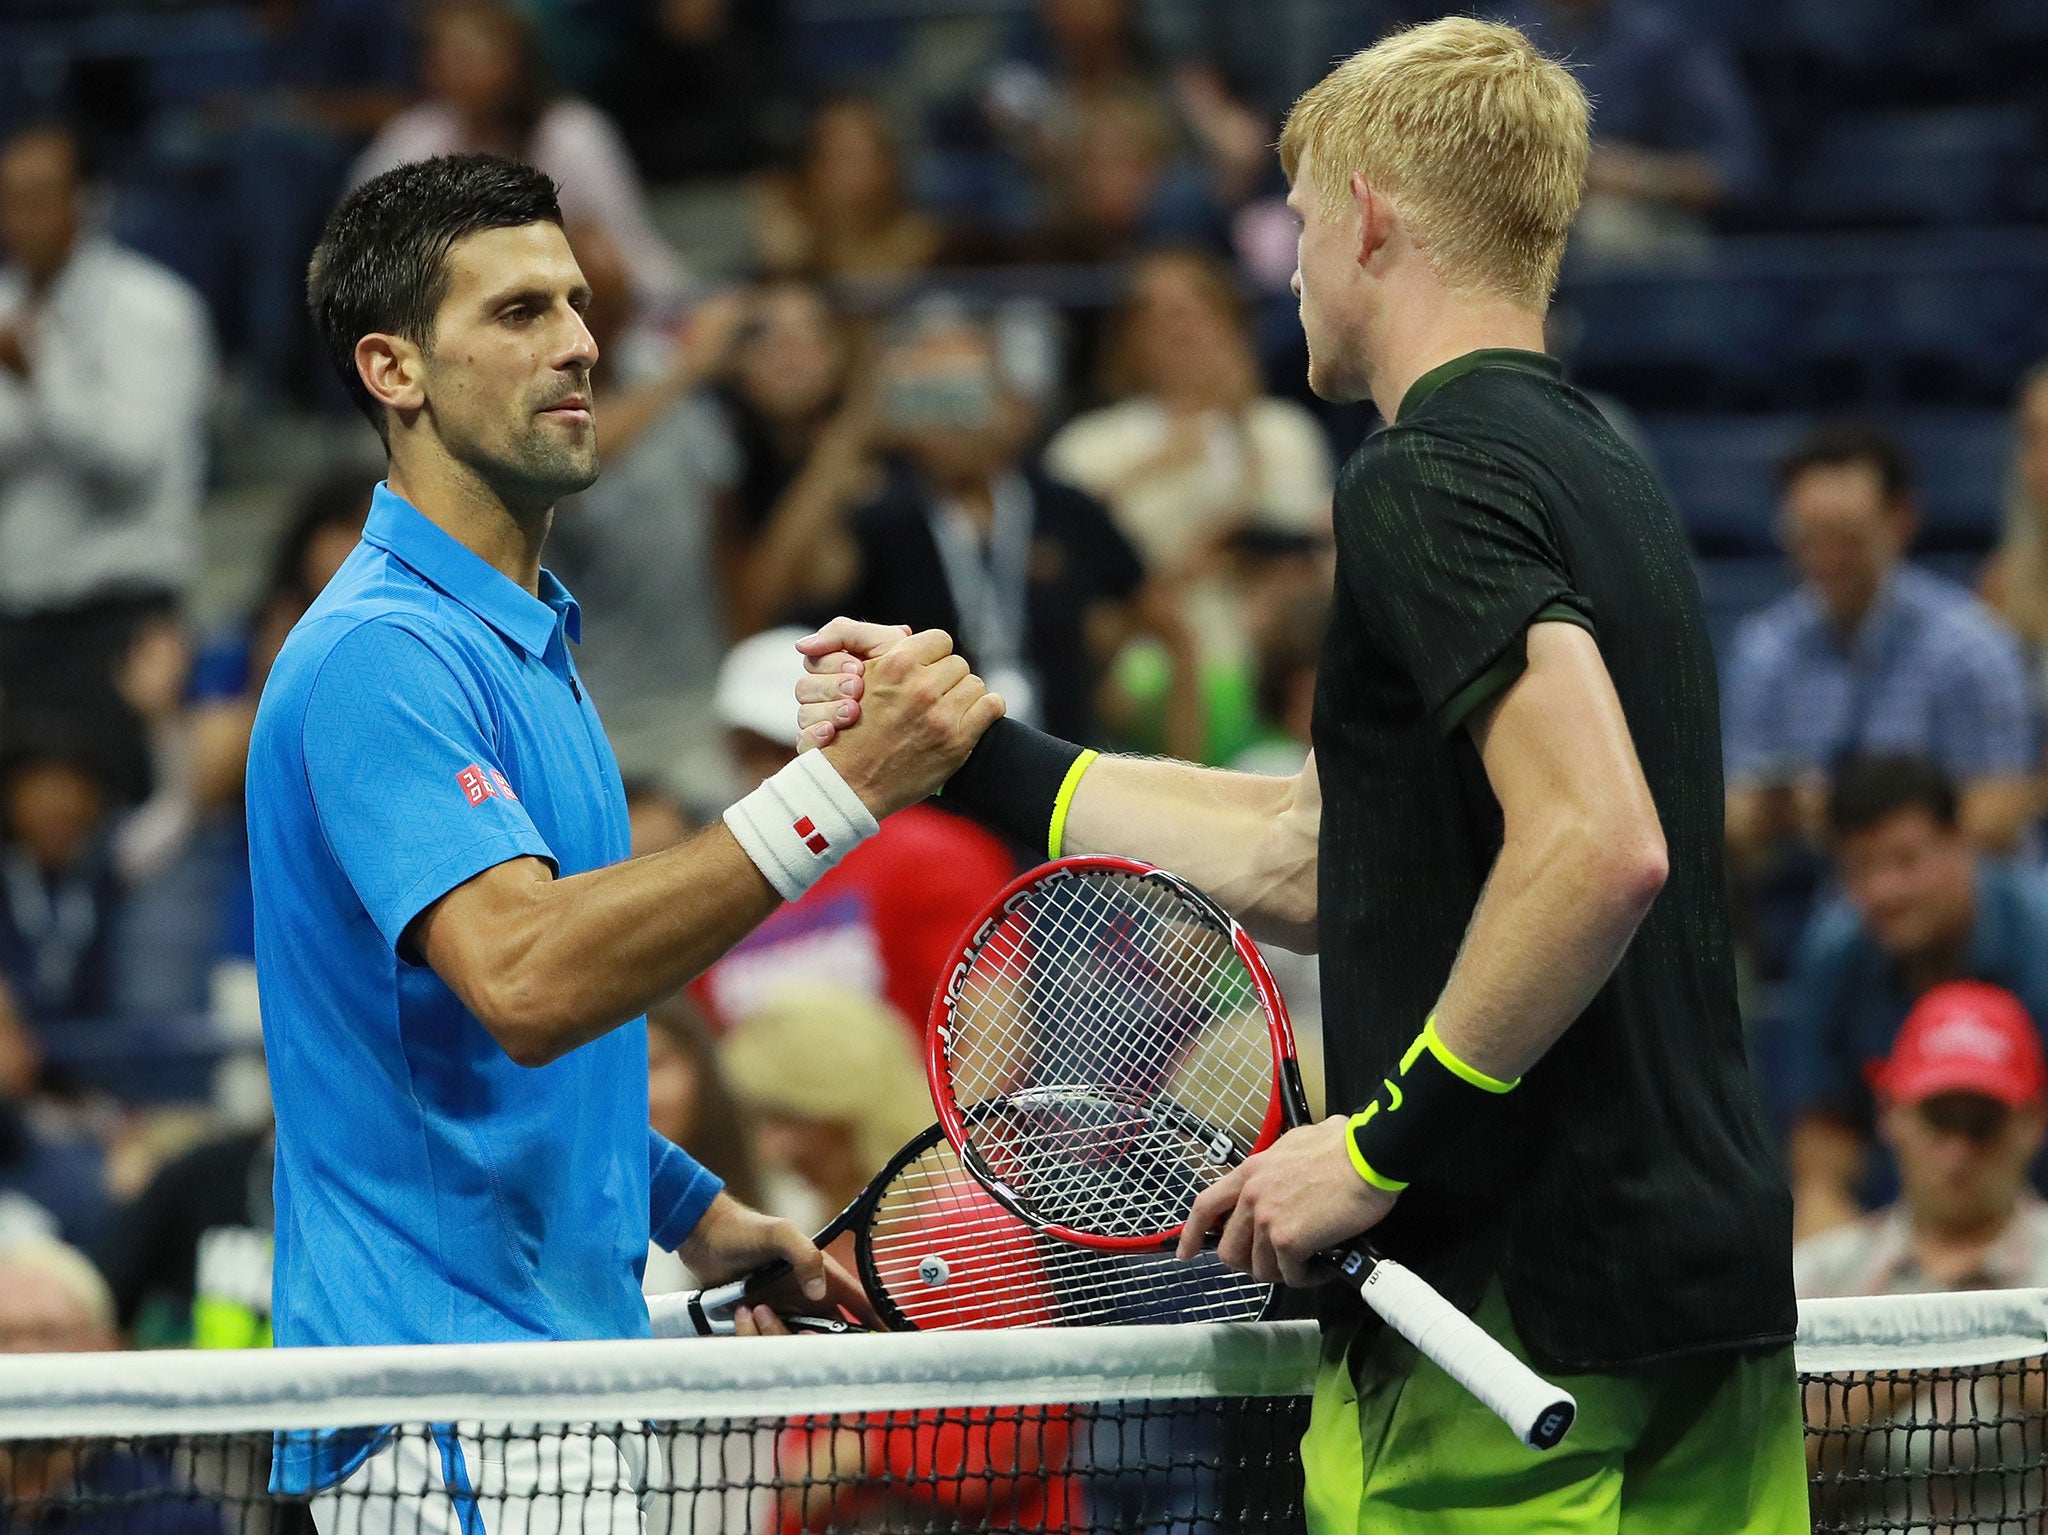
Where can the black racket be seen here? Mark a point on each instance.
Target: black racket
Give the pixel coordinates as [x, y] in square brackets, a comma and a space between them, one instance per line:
[936, 1252]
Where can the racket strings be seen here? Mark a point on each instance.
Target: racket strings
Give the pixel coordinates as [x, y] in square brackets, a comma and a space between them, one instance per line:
[949, 1257]
[1113, 1021]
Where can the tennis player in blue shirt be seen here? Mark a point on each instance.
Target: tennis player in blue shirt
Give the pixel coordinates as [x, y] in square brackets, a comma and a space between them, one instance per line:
[453, 950]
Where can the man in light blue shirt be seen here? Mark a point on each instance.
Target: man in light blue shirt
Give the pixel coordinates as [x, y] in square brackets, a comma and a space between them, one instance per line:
[1869, 655]
[453, 949]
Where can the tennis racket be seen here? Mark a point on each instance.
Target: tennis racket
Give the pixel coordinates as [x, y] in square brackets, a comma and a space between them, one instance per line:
[936, 1252]
[1110, 1043]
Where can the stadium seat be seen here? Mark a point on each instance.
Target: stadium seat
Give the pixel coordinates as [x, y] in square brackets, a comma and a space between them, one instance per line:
[1959, 464]
[1677, 342]
[1722, 474]
[1950, 166]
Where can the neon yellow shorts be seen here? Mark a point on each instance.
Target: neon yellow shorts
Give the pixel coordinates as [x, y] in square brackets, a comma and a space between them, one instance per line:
[1708, 1446]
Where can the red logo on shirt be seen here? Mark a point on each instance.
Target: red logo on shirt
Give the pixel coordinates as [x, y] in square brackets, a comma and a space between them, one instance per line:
[476, 786]
[504, 788]
[813, 838]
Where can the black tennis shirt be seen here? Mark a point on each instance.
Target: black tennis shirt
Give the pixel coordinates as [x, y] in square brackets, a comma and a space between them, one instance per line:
[1626, 1195]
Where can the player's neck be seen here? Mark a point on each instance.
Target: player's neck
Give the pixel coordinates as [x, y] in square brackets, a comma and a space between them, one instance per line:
[456, 500]
[1421, 336]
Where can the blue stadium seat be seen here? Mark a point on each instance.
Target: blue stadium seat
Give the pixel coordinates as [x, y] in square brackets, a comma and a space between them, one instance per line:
[1722, 473]
[1959, 465]
[1677, 342]
[1949, 166]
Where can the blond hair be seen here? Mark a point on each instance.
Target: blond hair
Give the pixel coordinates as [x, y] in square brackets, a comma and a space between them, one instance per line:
[1476, 137]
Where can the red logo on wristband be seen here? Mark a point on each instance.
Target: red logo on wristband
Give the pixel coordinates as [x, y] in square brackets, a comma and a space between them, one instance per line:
[813, 838]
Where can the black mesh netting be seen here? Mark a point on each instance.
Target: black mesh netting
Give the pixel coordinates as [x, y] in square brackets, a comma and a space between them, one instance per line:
[1940, 1451]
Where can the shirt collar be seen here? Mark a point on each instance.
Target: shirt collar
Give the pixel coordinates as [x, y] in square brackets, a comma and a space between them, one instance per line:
[1539, 363]
[399, 528]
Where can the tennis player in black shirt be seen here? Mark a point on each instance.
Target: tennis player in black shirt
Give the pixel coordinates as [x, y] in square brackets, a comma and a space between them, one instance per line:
[1507, 848]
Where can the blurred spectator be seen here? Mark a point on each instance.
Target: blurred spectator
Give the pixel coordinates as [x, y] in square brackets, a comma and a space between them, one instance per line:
[1675, 134]
[486, 92]
[697, 86]
[1030, 576]
[885, 920]
[187, 849]
[1960, 1104]
[655, 819]
[52, 1301]
[332, 73]
[1869, 655]
[843, 210]
[56, 859]
[690, 1102]
[189, 1260]
[1287, 646]
[637, 547]
[1117, 184]
[53, 1176]
[1921, 908]
[1193, 450]
[2016, 579]
[1962, 1110]
[106, 375]
[836, 1085]
[799, 435]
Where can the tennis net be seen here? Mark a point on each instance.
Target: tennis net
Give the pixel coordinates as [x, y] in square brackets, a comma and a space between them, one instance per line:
[1925, 1414]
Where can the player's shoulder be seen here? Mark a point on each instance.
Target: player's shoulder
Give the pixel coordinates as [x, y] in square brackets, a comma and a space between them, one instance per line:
[370, 621]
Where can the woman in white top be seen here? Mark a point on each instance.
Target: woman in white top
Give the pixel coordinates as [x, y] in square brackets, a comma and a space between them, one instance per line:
[486, 93]
[1193, 451]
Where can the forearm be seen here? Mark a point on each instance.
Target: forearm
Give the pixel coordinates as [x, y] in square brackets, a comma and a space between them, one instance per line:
[579, 956]
[1554, 919]
[1249, 841]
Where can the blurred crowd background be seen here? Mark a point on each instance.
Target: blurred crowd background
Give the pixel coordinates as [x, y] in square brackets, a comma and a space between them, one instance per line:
[975, 314]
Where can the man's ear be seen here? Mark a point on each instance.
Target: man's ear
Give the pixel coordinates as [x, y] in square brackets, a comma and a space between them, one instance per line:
[1375, 217]
[393, 370]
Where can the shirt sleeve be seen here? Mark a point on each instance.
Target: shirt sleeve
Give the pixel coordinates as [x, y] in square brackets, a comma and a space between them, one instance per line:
[402, 762]
[1985, 720]
[680, 1190]
[1749, 752]
[1450, 559]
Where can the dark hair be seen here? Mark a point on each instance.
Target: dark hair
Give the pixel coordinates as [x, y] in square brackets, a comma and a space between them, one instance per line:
[1868, 790]
[340, 498]
[382, 261]
[1834, 444]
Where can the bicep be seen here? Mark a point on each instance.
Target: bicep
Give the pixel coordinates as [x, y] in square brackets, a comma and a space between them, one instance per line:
[470, 936]
[1557, 738]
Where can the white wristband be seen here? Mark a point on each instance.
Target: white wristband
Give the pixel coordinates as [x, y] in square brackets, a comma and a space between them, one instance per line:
[800, 823]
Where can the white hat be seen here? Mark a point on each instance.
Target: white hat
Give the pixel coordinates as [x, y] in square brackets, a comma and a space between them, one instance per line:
[757, 685]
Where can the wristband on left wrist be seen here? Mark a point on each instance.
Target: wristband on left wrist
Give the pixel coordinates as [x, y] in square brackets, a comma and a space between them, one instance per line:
[1429, 1100]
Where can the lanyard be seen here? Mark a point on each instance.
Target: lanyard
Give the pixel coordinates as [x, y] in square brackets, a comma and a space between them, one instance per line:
[989, 586]
[57, 926]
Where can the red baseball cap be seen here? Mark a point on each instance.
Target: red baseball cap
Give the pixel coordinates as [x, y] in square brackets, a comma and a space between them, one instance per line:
[1965, 1037]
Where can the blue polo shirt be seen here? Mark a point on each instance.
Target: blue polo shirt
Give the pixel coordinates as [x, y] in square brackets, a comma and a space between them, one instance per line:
[423, 722]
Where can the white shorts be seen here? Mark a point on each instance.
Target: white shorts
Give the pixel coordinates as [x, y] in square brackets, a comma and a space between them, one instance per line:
[502, 1481]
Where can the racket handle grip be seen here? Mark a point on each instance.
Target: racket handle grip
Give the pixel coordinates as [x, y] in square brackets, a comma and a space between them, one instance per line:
[708, 1313]
[1538, 1412]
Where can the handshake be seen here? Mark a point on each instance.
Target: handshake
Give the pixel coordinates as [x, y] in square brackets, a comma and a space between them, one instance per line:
[894, 712]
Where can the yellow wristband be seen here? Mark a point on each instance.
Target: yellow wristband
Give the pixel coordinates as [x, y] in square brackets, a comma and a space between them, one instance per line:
[1358, 1161]
[1433, 1042]
[1056, 836]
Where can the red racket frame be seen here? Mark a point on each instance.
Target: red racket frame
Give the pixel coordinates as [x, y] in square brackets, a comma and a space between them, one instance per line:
[1285, 1108]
